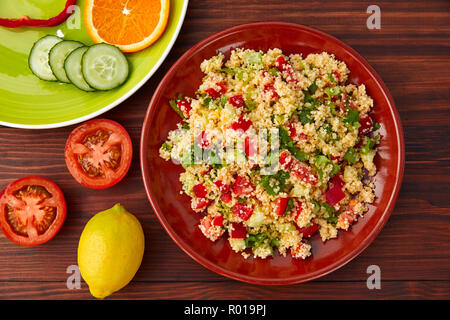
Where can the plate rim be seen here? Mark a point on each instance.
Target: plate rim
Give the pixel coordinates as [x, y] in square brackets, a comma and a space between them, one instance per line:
[295, 279]
[117, 101]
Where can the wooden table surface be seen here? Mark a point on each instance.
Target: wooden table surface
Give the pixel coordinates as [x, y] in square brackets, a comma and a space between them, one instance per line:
[411, 52]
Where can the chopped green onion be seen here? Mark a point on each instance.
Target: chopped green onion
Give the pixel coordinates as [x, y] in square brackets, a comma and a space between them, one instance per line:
[330, 76]
[273, 71]
[350, 156]
[251, 105]
[174, 106]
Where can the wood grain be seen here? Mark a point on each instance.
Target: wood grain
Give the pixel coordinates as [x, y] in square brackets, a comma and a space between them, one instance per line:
[411, 54]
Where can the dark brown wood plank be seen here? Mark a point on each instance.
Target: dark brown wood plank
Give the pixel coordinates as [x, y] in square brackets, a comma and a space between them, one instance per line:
[234, 291]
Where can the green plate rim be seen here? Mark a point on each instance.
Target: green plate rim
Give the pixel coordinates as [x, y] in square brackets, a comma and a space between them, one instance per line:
[119, 100]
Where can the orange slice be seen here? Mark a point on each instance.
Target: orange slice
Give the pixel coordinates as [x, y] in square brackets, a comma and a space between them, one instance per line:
[131, 25]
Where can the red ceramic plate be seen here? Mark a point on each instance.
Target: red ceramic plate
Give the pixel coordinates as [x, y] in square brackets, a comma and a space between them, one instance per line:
[173, 209]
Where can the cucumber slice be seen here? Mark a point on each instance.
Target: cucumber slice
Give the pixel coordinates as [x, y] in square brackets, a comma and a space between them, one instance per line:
[58, 55]
[104, 67]
[38, 58]
[72, 65]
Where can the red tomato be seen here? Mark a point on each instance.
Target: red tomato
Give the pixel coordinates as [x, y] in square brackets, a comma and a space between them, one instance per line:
[292, 130]
[249, 147]
[241, 124]
[200, 190]
[236, 101]
[226, 197]
[337, 75]
[366, 125]
[270, 88]
[281, 205]
[222, 187]
[242, 211]
[242, 186]
[334, 195]
[32, 211]
[286, 160]
[238, 231]
[281, 64]
[309, 230]
[304, 173]
[213, 93]
[98, 153]
[199, 204]
[218, 221]
[202, 140]
[184, 106]
[223, 88]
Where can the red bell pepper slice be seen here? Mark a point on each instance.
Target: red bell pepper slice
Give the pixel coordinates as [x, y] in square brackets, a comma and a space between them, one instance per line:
[26, 21]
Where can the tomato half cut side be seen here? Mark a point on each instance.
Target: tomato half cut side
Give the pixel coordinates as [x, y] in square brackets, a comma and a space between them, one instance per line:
[98, 153]
[32, 211]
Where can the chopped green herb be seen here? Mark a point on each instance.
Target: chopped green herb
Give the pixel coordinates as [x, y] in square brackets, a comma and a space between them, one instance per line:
[276, 183]
[330, 76]
[289, 206]
[376, 126]
[313, 87]
[228, 70]
[223, 101]
[185, 126]
[351, 119]
[370, 144]
[166, 146]
[332, 91]
[287, 143]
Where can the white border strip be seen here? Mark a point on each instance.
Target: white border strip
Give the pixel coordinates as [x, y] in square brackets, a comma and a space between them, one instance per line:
[118, 101]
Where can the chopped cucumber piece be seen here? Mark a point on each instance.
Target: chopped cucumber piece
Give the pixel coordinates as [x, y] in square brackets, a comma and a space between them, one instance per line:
[72, 65]
[58, 55]
[104, 67]
[38, 58]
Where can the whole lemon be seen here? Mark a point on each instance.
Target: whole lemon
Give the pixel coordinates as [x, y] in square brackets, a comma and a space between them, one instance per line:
[110, 250]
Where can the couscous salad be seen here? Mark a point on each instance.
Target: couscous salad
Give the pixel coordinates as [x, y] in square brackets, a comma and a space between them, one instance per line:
[275, 148]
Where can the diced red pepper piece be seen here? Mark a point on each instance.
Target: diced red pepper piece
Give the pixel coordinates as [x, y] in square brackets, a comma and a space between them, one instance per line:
[200, 190]
[302, 172]
[241, 124]
[281, 203]
[223, 89]
[202, 140]
[199, 204]
[184, 106]
[242, 211]
[298, 209]
[336, 180]
[292, 130]
[222, 187]
[238, 231]
[286, 160]
[249, 147]
[366, 125]
[337, 75]
[270, 88]
[213, 93]
[309, 230]
[226, 197]
[281, 64]
[334, 195]
[236, 101]
[218, 221]
[242, 186]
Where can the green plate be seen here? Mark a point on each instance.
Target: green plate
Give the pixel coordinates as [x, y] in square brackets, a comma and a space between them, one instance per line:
[27, 102]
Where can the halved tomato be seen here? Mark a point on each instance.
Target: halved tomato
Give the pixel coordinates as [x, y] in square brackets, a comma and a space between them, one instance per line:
[32, 210]
[98, 153]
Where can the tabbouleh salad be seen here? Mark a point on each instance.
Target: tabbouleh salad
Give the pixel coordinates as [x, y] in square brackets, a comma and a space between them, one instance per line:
[275, 193]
